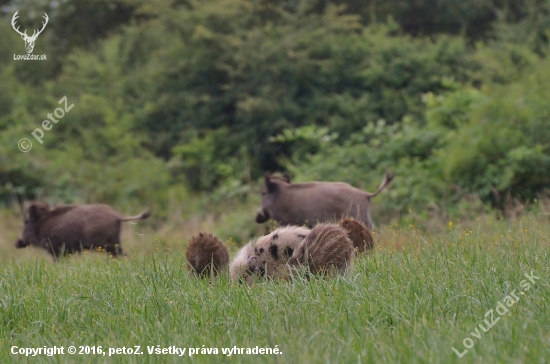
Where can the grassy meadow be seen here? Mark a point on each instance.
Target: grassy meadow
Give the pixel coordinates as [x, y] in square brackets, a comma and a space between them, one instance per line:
[421, 293]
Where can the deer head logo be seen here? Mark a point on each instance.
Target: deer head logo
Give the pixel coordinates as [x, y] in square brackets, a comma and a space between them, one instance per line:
[29, 41]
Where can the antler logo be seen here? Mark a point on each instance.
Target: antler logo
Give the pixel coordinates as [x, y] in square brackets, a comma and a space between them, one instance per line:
[29, 41]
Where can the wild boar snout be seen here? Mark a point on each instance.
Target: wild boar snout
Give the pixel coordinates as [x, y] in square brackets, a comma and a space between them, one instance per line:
[20, 244]
[262, 216]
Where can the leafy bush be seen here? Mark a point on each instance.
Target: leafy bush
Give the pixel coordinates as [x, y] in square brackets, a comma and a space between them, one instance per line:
[504, 147]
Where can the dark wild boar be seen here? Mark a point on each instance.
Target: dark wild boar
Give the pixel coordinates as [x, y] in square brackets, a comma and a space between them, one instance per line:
[72, 228]
[312, 202]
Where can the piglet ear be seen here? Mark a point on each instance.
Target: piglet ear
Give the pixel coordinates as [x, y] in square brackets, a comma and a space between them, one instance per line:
[251, 263]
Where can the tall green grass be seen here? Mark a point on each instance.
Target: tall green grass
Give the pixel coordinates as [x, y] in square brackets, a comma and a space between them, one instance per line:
[417, 296]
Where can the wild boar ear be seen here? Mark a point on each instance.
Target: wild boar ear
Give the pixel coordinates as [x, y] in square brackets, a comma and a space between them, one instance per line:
[268, 184]
[36, 212]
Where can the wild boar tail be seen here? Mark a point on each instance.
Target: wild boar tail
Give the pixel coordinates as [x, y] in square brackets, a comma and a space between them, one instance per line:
[141, 216]
[387, 179]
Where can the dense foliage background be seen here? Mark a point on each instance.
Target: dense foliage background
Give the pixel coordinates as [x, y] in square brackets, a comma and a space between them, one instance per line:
[200, 98]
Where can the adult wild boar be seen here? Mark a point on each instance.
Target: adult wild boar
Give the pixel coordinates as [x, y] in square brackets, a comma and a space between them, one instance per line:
[71, 228]
[312, 202]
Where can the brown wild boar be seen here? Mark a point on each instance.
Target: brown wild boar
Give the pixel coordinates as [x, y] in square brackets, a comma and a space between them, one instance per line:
[326, 250]
[312, 202]
[359, 235]
[207, 255]
[72, 228]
